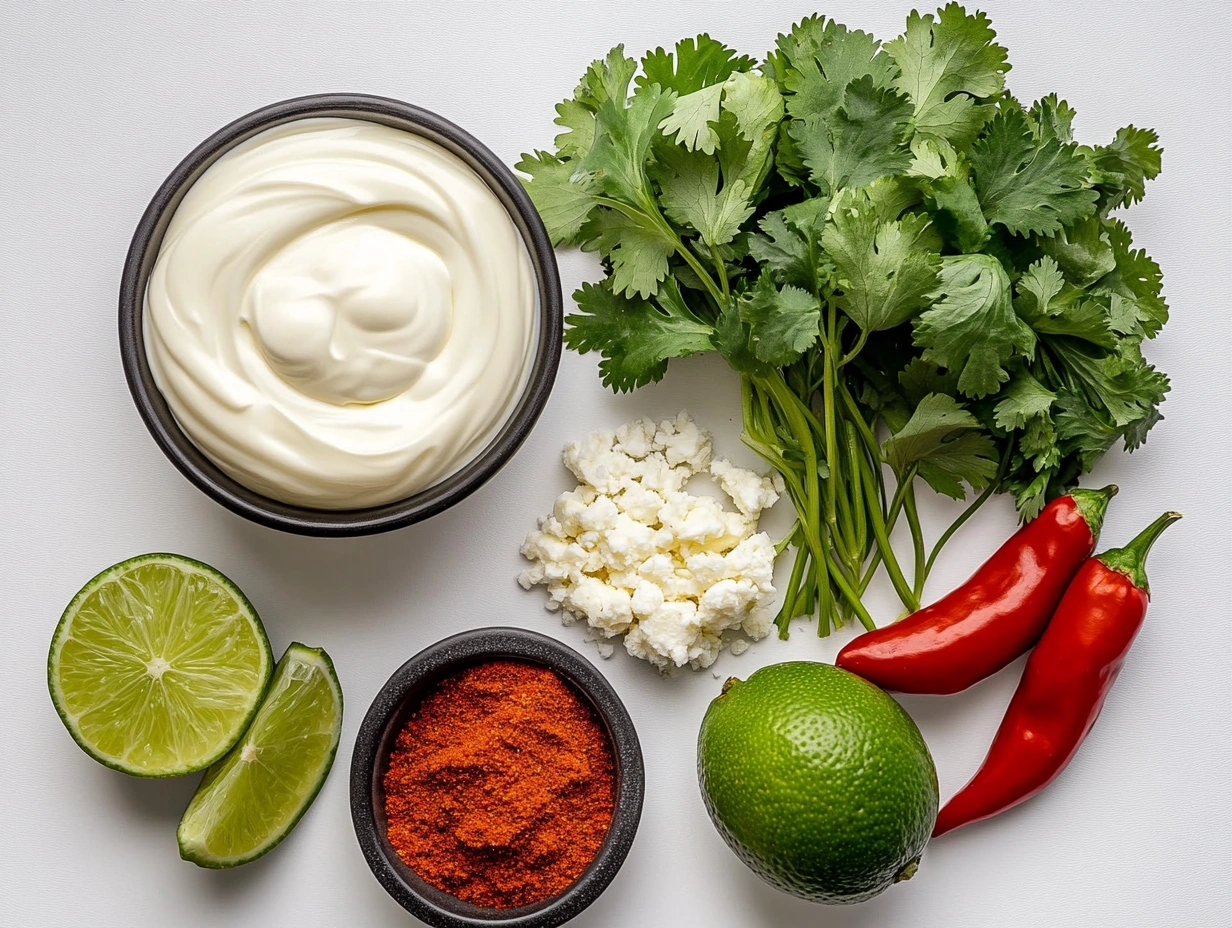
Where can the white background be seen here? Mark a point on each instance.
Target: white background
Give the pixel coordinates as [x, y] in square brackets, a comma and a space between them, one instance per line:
[98, 102]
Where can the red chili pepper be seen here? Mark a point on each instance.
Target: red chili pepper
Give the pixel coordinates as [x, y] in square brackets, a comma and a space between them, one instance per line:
[993, 617]
[1064, 685]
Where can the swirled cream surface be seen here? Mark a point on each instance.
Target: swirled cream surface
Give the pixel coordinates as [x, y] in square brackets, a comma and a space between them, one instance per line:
[341, 313]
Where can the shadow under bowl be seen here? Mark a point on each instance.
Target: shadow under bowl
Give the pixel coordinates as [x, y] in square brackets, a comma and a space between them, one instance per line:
[204, 473]
[388, 713]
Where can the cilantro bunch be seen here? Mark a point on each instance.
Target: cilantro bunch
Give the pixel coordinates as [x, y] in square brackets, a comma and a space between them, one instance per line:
[913, 274]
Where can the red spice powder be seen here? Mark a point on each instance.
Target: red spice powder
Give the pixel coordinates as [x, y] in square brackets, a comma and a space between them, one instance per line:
[501, 785]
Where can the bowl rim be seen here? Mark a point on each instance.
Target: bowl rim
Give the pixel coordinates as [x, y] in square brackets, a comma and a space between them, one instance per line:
[428, 667]
[204, 473]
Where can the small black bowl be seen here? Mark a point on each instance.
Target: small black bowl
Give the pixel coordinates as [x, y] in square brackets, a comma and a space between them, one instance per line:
[385, 718]
[207, 476]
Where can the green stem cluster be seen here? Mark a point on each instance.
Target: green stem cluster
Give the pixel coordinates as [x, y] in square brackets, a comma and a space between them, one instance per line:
[804, 421]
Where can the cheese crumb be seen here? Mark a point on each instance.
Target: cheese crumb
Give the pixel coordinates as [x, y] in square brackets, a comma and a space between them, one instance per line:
[631, 553]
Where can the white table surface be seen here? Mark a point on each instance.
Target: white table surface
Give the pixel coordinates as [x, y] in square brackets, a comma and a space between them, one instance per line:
[100, 100]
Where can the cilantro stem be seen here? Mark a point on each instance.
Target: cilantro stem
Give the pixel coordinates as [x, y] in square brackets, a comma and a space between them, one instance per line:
[866, 432]
[788, 540]
[849, 594]
[967, 513]
[891, 520]
[917, 539]
[788, 611]
[825, 604]
[887, 553]
[827, 386]
[854, 453]
[856, 349]
[870, 444]
[788, 404]
[814, 529]
[722, 269]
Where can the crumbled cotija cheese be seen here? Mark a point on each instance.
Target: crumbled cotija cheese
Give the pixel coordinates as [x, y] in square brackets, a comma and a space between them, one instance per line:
[633, 554]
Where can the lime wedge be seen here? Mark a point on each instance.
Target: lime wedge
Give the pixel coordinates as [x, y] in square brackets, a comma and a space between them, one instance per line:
[158, 665]
[252, 798]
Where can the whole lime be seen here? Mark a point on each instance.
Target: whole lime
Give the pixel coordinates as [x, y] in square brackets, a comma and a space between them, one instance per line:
[818, 780]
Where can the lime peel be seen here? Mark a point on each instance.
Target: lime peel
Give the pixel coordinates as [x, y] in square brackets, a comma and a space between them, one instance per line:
[251, 799]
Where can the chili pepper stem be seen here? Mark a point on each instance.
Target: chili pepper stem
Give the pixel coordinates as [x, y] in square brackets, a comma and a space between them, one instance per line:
[1093, 504]
[1131, 559]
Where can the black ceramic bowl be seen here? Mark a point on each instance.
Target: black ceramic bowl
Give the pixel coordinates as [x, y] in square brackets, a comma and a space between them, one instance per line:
[399, 697]
[198, 468]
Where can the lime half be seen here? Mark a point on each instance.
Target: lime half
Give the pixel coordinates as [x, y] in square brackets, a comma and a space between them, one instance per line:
[158, 665]
[252, 798]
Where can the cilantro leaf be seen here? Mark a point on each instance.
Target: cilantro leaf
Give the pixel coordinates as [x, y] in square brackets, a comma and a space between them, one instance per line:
[1051, 118]
[578, 120]
[1134, 433]
[943, 441]
[755, 102]
[606, 79]
[697, 63]
[942, 176]
[956, 213]
[697, 73]
[946, 64]
[690, 119]
[920, 378]
[732, 339]
[1042, 281]
[638, 250]
[1025, 398]
[815, 64]
[884, 271]
[1030, 496]
[1082, 250]
[1038, 442]
[1084, 431]
[783, 323]
[635, 337]
[934, 158]
[971, 456]
[1126, 387]
[563, 201]
[1027, 185]
[623, 135]
[782, 249]
[857, 143]
[1079, 317]
[1052, 307]
[973, 328]
[819, 59]
[1121, 169]
[790, 243]
[889, 198]
[1135, 285]
[751, 112]
[691, 198]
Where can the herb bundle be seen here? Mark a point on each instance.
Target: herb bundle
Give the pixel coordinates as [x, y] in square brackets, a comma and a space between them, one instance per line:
[913, 274]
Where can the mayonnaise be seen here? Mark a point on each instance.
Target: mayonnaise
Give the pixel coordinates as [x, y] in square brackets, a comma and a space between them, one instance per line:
[341, 314]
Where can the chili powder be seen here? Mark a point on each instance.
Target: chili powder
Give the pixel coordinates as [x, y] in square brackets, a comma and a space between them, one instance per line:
[500, 786]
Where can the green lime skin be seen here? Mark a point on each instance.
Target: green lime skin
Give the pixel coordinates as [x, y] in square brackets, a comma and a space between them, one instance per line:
[818, 780]
[250, 800]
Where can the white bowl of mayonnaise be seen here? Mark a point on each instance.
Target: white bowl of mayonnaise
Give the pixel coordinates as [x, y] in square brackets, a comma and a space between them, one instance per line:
[340, 315]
